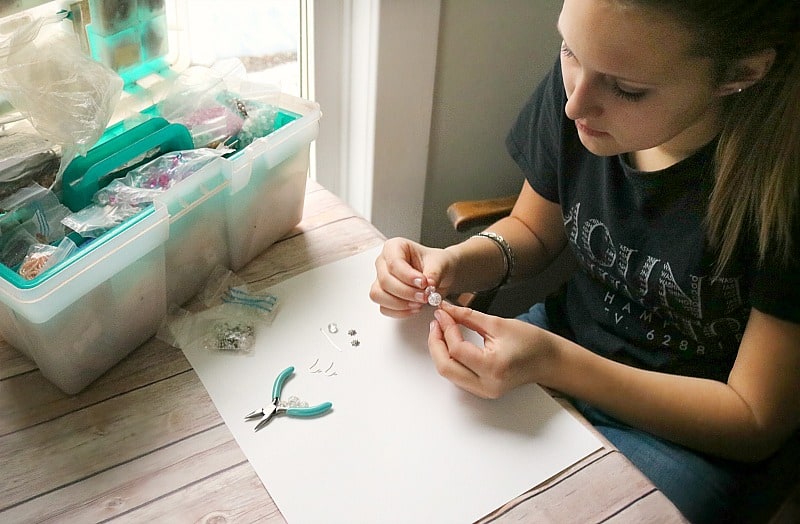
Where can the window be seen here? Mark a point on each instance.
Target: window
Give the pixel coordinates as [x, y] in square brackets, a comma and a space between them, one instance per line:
[263, 34]
[373, 68]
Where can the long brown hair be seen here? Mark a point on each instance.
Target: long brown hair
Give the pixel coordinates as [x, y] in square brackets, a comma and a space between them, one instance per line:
[757, 183]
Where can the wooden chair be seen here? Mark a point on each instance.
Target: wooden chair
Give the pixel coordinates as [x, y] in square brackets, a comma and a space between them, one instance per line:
[466, 214]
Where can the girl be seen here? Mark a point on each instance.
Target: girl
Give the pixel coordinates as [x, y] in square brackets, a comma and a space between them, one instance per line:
[662, 149]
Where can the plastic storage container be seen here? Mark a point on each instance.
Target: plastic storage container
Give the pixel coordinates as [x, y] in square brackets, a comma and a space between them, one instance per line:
[268, 180]
[87, 313]
[197, 241]
[81, 317]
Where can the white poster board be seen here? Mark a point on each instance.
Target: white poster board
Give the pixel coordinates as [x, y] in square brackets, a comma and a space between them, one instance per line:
[401, 444]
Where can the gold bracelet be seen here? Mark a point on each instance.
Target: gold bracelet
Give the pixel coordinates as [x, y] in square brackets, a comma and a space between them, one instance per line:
[505, 250]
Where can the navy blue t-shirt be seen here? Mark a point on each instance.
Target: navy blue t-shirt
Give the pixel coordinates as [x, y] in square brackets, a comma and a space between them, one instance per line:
[644, 293]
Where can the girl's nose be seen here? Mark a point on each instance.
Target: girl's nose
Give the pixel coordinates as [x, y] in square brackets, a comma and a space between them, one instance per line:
[582, 99]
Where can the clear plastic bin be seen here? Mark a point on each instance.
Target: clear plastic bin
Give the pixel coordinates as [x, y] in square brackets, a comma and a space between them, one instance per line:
[197, 241]
[268, 181]
[87, 313]
[81, 317]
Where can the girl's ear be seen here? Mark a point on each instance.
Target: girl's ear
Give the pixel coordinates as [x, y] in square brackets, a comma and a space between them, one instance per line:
[747, 71]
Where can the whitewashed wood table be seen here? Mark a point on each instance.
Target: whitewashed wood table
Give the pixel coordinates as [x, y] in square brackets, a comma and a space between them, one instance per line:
[144, 443]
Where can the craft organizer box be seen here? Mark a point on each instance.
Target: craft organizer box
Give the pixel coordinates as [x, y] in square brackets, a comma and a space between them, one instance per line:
[87, 313]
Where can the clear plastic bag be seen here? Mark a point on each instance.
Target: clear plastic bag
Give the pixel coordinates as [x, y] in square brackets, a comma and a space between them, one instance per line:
[94, 220]
[26, 158]
[230, 322]
[32, 215]
[42, 257]
[258, 103]
[220, 106]
[193, 100]
[168, 169]
[67, 97]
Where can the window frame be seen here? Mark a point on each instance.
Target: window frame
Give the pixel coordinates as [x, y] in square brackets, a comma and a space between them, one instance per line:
[372, 68]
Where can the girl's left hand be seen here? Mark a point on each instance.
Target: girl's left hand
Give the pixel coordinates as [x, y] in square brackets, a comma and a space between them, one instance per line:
[514, 351]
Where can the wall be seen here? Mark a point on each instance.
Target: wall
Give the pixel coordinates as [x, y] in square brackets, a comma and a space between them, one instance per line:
[491, 55]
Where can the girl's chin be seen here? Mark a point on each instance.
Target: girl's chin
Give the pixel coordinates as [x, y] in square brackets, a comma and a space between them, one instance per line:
[600, 147]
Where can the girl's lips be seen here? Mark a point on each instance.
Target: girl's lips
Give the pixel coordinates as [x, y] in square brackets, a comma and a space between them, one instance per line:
[588, 130]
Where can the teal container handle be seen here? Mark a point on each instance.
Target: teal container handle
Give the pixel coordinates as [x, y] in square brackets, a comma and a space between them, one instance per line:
[101, 166]
[309, 412]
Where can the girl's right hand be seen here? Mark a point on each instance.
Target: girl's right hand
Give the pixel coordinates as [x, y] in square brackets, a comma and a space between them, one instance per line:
[404, 269]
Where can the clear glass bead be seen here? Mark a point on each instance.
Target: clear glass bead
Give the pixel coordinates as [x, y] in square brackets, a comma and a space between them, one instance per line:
[434, 298]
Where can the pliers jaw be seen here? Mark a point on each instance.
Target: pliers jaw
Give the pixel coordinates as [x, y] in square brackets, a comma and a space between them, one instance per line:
[263, 422]
[255, 414]
[263, 414]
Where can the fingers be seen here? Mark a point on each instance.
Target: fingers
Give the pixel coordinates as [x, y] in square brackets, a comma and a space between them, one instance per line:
[391, 304]
[481, 370]
[479, 322]
[465, 352]
[447, 366]
[462, 362]
[399, 286]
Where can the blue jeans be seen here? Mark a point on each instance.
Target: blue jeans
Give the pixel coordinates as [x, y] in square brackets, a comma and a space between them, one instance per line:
[704, 488]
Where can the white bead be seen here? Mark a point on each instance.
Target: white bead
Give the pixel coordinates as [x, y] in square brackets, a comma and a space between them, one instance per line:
[434, 298]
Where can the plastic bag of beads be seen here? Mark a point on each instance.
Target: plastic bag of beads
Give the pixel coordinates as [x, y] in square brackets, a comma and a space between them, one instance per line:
[165, 171]
[220, 106]
[119, 193]
[146, 182]
[195, 99]
[226, 287]
[231, 335]
[37, 209]
[258, 104]
[14, 246]
[229, 323]
[222, 328]
[30, 216]
[42, 257]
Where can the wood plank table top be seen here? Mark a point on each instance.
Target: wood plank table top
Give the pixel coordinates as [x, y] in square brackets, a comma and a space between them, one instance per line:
[144, 442]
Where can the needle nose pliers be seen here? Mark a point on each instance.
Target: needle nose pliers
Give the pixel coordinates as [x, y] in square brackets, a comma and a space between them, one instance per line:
[278, 407]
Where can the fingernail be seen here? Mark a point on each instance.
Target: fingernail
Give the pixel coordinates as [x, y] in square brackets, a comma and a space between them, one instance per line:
[432, 325]
[419, 282]
[419, 297]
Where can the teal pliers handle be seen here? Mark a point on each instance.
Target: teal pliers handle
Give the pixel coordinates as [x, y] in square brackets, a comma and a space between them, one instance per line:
[313, 411]
[277, 387]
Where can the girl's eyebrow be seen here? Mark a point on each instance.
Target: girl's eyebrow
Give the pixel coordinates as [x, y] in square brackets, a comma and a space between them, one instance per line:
[637, 83]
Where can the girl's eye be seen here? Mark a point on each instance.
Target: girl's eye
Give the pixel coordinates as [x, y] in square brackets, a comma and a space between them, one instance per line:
[630, 96]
